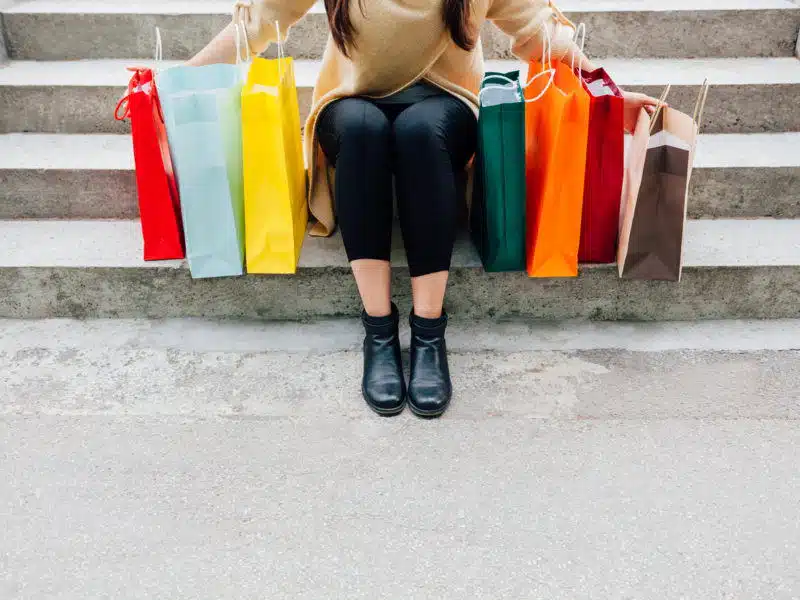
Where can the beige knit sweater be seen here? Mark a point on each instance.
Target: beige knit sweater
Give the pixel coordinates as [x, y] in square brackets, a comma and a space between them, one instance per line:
[398, 43]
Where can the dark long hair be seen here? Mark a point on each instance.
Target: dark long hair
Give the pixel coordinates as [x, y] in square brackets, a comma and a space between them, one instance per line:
[455, 14]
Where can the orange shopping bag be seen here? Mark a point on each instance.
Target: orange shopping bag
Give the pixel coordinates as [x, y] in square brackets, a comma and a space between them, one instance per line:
[556, 133]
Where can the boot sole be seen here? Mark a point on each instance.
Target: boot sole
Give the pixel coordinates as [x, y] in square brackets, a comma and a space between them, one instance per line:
[428, 414]
[384, 412]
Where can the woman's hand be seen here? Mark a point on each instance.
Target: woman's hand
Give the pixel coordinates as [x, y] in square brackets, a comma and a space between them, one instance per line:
[634, 102]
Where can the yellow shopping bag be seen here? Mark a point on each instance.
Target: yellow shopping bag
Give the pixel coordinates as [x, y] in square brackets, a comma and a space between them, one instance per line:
[275, 209]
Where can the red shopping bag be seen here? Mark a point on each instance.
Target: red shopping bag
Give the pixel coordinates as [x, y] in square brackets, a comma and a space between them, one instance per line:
[159, 204]
[605, 161]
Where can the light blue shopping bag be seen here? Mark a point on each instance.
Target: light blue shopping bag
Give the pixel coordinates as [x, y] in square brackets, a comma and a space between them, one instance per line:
[202, 112]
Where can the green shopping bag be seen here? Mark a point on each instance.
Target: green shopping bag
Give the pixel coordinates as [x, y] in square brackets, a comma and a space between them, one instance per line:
[497, 218]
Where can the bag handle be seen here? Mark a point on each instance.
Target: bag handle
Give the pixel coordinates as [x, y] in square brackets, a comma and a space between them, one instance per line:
[561, 19]
[503, 78]
[547, 49]
[281, 49]
[551, 73]
[280, 41]
[547, 64]
[700, 105]
[241, 33]
[490, 87]
[579, 32]
[241, 14]
[122, 105]
[660, 106]
[159, 55]
[559, 16]
[159, 62]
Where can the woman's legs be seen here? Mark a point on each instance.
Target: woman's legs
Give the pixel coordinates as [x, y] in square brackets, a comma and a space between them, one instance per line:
[356, 138]
[433, 140]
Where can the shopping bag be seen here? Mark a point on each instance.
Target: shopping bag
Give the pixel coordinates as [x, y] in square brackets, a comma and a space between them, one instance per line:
[655, 192]
[557, 127]
[202, 111]
[157, 192]
[275, 205]
[605, 161]
[497, 217]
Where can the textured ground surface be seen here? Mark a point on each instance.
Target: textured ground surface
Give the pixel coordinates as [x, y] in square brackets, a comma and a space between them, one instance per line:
[192, 459]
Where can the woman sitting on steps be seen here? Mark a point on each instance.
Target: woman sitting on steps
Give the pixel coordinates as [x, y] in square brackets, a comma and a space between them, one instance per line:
[397, 96]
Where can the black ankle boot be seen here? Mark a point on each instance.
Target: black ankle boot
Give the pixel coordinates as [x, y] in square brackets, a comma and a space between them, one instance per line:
[429, 389]
[383, 385]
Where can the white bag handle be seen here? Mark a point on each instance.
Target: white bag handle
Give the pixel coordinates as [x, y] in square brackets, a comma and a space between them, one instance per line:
[281, 52]
[241, 34]
[500, 77]
[551, 73]
[547, 60]
[159, 55]
[547, 49]
[579, 32]
[508, 80]
[280, 41]
[241, 13]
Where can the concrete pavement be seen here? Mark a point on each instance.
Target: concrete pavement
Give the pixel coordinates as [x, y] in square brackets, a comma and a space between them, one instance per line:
[196, 459]
[98, 507]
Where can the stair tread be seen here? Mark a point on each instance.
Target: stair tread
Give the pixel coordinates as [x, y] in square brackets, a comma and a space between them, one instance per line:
[96, 152]
[627, 72]
[62, 151]
[145, 7]
[224, 6]
[117, 244]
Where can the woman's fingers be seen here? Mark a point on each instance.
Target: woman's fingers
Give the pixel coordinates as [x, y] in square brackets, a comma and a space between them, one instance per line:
[649, 101]
[642, 99]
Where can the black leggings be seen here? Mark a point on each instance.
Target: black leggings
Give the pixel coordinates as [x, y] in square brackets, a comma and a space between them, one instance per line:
[426, 145]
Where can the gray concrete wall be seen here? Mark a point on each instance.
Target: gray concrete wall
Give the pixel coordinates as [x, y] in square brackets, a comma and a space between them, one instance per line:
[598, 294]
[620, 33]
[78, 108]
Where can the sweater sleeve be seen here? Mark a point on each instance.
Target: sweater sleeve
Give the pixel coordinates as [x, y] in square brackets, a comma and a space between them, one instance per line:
[259, 18]
[524, 21]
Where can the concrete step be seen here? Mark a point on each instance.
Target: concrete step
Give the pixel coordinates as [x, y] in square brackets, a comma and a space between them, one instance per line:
[67, 176]
[76, 176]
[628, 28]
[734, 269]
[748, 95]
[507, 370]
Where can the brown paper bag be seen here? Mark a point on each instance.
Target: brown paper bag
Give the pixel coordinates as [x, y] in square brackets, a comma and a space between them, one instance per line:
[655, 191]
